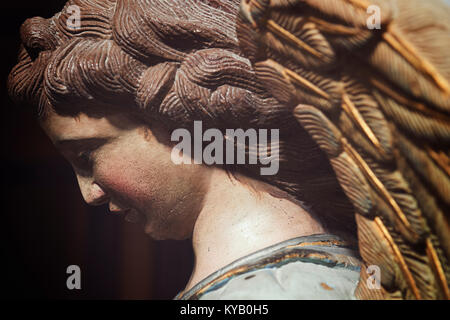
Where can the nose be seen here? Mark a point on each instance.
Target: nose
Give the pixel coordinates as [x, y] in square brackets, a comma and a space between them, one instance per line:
[92, 193]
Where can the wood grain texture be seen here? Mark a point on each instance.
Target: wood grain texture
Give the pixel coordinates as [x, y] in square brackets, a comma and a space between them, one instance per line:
[386, 134]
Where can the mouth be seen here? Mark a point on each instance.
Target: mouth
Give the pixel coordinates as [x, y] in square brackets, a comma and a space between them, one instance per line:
[130, 215]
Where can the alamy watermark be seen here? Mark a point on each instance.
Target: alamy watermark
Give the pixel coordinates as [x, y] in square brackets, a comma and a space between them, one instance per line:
[374, 21]
[373, 281]
[74, 20]
[74, 279]
[234, 140]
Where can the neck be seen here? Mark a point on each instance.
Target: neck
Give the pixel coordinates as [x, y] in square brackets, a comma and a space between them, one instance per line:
[236, 221]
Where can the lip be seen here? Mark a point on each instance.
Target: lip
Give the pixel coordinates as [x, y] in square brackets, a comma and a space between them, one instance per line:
[120, 212]
[132, 216]
[129, 215]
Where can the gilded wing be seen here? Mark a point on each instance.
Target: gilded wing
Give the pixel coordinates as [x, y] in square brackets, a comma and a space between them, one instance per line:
[377, 102]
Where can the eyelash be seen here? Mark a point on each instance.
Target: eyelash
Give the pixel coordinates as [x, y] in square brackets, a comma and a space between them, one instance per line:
[84, 158]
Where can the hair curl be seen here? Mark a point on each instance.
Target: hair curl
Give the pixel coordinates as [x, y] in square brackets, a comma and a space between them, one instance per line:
[173, 61]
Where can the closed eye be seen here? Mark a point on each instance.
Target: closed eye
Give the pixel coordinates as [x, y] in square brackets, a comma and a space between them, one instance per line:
[84, 159]
[80, 151]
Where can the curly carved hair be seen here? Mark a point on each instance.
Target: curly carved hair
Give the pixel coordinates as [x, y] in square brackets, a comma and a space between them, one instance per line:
[173, 61]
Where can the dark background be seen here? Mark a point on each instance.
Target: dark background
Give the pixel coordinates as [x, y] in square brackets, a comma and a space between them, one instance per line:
[46, 226]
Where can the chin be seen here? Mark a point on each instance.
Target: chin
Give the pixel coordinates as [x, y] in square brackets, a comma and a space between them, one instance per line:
[153, 235]
[149, 231]
[155, 238]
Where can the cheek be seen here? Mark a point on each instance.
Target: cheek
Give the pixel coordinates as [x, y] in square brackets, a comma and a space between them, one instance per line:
[124, 177]
[137, 172]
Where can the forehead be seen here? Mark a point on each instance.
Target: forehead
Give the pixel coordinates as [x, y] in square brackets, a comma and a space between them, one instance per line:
[62, 127]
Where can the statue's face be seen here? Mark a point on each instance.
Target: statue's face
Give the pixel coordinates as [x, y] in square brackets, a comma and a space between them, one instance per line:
[124, 163]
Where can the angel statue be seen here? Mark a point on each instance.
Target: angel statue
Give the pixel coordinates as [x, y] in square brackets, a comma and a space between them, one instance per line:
[350, 197]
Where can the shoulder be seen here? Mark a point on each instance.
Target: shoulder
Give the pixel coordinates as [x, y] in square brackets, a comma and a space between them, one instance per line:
[313, 267]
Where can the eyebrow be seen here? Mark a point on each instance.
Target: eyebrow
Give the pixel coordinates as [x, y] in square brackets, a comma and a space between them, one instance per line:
[79, 142]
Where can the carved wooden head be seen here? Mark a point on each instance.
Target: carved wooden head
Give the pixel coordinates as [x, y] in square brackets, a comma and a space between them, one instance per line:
[173, 61]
